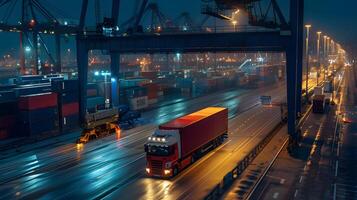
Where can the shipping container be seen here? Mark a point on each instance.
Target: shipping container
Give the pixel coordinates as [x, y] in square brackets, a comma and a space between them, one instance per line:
[42, 114]
[7, 87]
[39, 127]
[8, 108]
[134, 92]
[32, 89]
[92, 92]
[61, 86]
[30, 77]
[152, 89]
[133, 82]
[70, 122]
[69, 109]
[6, 96]
[68, 97]
[149, 75]
[199, 128]
[138, 103]
[8, 121]
[37, 101]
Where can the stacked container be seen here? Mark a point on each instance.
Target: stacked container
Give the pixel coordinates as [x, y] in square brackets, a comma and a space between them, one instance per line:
[38, 114]
[152, 91]
[135, 97]
[68, 103]
[8, 112]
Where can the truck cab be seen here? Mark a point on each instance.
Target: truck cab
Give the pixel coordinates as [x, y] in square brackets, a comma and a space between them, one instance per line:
[162, 150]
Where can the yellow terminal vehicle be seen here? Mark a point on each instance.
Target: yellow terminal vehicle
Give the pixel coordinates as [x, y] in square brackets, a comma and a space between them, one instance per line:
[100, 124]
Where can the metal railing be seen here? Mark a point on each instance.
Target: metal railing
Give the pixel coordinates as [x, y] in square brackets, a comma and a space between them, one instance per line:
[231, 176]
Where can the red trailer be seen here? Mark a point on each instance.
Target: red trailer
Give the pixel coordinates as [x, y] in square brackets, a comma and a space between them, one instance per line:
[180, 142]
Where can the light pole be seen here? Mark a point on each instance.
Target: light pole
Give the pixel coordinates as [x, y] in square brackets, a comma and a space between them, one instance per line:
[324, 56]
[234, 19]
[328, 52]
[308, 26]
[234, 22]
[318, 56]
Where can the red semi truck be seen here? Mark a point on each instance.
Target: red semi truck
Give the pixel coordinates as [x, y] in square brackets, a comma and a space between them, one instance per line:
[180, 142]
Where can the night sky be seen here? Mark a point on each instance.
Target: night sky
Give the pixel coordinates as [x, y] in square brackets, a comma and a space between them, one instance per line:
[336, 18]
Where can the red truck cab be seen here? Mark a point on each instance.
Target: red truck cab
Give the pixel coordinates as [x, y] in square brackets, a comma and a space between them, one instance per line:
[180, 142]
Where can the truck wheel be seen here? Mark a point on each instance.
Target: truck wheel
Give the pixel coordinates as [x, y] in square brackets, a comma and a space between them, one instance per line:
[193, 159]
[175, 172]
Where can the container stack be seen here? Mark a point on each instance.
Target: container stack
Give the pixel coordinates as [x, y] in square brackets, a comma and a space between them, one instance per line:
[152, 91]
[68, 104]
[38, 114]
[8, 112]
[92, 90]
[135, 97]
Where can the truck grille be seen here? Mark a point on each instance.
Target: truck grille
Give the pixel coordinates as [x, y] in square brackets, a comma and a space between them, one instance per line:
[156, 166]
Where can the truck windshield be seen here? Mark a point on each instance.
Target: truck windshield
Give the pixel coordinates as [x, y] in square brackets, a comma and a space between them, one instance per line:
[159, 150]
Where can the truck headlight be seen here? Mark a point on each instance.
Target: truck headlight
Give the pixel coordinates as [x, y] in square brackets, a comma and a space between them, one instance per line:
[148, 170]
[167, 171]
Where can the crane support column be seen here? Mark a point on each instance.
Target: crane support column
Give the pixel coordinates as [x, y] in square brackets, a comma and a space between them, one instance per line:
[115, 68]
[293, 76]
[82, 60]
[115, 11]
[58, 54]
[300, 51]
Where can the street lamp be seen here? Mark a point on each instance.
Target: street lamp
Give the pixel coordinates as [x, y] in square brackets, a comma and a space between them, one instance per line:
[324, 55]
[308, 26]
[318, 55]
[234, 18]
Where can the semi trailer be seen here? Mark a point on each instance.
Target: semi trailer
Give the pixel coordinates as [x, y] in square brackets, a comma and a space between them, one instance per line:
[180, 142]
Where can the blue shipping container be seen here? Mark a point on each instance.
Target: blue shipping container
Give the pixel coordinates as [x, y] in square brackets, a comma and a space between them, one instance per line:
[6, 96]
[35, 128]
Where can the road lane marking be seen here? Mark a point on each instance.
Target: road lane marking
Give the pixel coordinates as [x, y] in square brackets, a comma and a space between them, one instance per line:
[296, 193]
[336, 169]
[300, 179]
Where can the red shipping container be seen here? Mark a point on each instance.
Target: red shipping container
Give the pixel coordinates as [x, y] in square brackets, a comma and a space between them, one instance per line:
[149, 75]
[152, 89]
[7, 121]
[197, 129]
[37, 101]
[92, 92]
[70, 109]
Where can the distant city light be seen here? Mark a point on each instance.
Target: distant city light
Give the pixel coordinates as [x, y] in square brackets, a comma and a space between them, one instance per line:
[96, 73]
[178, 56]
[27, 49]
[65, 23]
